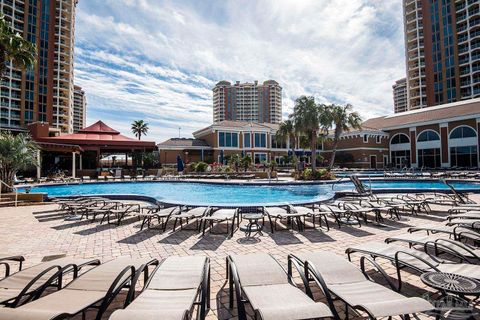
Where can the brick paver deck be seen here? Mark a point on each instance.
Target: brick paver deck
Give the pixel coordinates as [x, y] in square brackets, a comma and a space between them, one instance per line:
[28, 231]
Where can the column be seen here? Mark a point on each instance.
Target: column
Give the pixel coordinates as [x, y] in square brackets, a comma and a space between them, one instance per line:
[39, 166]
[444, 144]
[202, 156]
[74, 167]
[413, 148]
[478, 144]
[81, 162]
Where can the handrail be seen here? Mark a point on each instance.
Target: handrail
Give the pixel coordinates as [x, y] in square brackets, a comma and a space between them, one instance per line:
[11, 187]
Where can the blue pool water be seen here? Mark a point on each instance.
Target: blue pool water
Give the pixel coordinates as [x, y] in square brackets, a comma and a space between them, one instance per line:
[195, 193]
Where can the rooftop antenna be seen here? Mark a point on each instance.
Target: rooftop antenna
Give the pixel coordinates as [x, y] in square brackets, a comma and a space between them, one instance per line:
[179, 128]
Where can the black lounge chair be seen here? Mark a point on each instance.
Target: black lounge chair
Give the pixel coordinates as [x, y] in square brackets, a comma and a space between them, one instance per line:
[413, 259]
[336, 276]
[95, 288]
[175, 287]
[29, 284]
[258, 279]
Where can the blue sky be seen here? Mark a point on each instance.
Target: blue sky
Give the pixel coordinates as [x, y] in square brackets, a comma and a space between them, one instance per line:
[158, 60]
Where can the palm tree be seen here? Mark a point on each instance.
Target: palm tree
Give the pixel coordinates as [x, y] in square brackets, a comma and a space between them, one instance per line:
[343, 119]
[306, 118]
[139, 128]
[16, 152]
[14, 48]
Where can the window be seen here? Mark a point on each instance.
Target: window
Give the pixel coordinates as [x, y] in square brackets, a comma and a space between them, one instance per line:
[260, 158]
[365, 138]
[247, 141]
[428, 135]
[429, 158]
[228, 139]
[378, 139]
[462, 132]
[400, 138]
[464, 156]
[277, 144]
[260, 140]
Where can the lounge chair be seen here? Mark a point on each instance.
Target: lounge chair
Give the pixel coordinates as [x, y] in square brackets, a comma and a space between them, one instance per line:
[127, 177]
[335, 275]
[342, 216]
[416, 260]
[473, 223]
[172, 291]
[190, 214]
[5, 260]
[29, 284]
[311, 213]
[95, 288]
[120, 212]
[260, 280]
[162, 215]
[440, 244]
[280, 213]
[86, 178]
[457, 232]
[221, 215]
[465, 215]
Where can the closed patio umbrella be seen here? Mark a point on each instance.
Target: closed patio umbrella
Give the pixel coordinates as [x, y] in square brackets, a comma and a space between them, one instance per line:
[180, 165]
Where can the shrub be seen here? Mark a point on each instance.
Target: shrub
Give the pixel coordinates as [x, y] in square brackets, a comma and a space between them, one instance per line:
[192, 166]
[319, 174]
[201, 167]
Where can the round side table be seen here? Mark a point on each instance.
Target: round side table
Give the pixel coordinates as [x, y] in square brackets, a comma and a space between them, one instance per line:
[452, 283]
[253, 224]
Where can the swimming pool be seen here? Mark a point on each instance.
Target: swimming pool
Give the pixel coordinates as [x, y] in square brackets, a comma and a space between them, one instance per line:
[221, 194]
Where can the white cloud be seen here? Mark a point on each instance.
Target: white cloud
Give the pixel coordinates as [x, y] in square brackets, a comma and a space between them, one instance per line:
[161, 58]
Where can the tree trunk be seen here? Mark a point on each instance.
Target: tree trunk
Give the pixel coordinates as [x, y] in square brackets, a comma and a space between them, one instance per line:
[8, 177]
[334, 149]
[314, 150]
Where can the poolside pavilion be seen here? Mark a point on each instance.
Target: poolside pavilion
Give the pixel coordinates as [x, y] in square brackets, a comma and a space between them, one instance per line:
[83, 150]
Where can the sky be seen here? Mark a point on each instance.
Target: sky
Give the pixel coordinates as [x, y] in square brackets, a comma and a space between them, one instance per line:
[158, 60]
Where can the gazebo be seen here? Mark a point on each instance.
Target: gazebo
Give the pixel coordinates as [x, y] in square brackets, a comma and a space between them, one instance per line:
[91, 143]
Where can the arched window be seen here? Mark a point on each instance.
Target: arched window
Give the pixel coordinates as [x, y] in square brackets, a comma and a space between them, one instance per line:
[463, 132]
[400, 138]
[428, 135]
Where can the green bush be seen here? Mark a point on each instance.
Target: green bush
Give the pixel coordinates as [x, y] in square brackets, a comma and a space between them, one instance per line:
[319, 174]
[192, 166]
[201, 167]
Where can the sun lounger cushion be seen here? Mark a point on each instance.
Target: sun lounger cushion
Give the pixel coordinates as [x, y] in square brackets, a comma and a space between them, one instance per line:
[347, 282]
[258, 269]
[179, 273]
[290, 302]
[11, 286]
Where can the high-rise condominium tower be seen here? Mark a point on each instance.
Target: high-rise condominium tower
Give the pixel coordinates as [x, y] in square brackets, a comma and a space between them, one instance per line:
[45, 92]
[442, 40]
[251, 102]
[400, 95]
[79, 109]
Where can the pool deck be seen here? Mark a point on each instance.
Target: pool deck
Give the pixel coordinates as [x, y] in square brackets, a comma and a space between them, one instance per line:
[27, 231]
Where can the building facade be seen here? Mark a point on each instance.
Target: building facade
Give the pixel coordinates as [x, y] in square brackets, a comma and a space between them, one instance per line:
[79, 109]
[400, 100]
[445, 136]
[250, 102]
[45, 92]
[442, 43]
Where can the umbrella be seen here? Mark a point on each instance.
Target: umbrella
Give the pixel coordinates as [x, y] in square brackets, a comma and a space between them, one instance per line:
[179, 164]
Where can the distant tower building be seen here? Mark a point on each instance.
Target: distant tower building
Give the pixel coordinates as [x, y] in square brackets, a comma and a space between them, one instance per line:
[247, 102]
[44, 93]
[400, 95]
[442, 42]
[79, 109]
